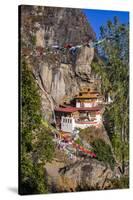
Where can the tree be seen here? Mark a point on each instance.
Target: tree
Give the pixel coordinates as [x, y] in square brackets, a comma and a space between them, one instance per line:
[113, 68]
[36, 145]
[103, 152]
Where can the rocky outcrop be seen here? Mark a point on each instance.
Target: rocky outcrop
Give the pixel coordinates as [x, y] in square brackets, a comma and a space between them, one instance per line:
[89, 174]
[83, 63]
[63, 80]
[57, 73]
[92, 133]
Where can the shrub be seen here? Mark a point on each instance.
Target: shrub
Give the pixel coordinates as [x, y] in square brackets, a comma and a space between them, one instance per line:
[33, 40]
[103, 152]
[78, 141]
[36, 145]
[123, 182]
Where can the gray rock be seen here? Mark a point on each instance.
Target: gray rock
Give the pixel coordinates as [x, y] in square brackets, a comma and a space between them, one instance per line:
[89, 174]
[58, 74]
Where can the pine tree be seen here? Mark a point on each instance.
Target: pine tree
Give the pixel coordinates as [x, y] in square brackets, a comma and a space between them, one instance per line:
[114, 71]
[36, 146]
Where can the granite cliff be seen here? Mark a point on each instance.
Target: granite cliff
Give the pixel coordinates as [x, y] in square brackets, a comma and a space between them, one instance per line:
[57, 73]
[89, 174]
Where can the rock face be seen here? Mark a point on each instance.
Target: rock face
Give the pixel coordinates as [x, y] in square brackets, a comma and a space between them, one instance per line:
[88, 174]
[58, 73]
[83, 63]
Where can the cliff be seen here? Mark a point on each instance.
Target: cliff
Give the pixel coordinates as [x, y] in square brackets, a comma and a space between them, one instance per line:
[88, 174]
[57, 73]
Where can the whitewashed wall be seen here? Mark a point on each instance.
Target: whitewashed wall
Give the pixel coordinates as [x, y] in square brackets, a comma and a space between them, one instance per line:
[67, 124]
[87, 105]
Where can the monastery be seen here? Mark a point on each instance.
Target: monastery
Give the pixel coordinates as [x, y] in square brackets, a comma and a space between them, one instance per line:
[85, 111]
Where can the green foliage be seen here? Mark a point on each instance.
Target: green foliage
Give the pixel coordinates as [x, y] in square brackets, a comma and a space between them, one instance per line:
[78, 141]
[33, 177]
[113, 69]
[120, 147]
[33, 40]
[109, 122]
[103, 152]
[36, 143]
[121, 183]
[43, 147]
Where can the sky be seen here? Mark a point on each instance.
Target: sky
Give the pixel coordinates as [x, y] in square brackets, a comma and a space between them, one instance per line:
[99, 17]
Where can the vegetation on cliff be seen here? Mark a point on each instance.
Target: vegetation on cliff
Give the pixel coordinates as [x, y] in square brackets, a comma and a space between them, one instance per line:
[35, 141]
[103, 152]
[113, 68]
[101, 145]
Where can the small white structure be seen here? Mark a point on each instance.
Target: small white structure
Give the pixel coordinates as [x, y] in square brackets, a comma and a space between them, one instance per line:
[69, 124]
[110, 100]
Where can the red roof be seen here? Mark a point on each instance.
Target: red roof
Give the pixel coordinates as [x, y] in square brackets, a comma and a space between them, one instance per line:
[74, 109]
[84, 150]
[67, 109]
[90, 108]
[68, 45]
[86, 122]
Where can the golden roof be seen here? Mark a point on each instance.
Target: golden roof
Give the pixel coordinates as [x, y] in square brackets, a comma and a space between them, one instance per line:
[89, 96]
[87, 93]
